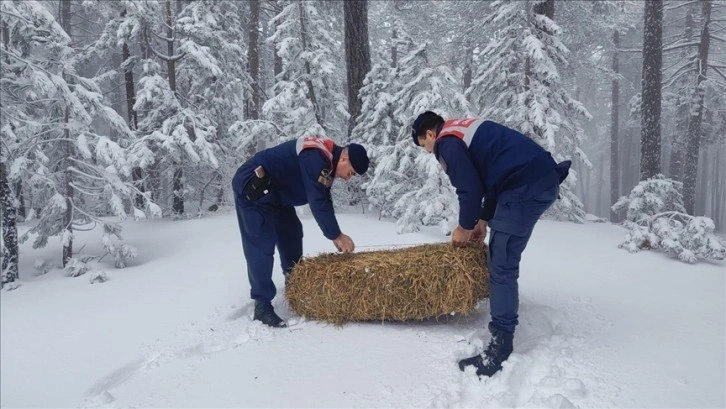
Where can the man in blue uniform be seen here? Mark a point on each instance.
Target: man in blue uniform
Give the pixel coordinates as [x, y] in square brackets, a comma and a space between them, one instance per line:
[505, 180]
[266, 189]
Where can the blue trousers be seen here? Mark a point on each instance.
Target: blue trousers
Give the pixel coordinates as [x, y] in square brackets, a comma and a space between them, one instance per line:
[511, 227]
[263, 226]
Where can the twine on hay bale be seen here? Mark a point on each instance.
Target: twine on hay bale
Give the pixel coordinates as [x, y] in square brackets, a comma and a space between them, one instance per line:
[412, 283]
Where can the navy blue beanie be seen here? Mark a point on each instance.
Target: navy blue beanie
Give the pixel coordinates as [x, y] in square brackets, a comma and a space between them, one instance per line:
[358, 158]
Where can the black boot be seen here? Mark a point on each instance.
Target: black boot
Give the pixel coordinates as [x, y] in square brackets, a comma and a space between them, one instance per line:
[490, 361]
[266, 314]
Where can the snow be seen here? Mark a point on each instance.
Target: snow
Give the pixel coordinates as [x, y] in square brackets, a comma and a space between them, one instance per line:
[599, 327]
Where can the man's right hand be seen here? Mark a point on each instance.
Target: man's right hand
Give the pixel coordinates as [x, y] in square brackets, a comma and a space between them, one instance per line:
[344, 243]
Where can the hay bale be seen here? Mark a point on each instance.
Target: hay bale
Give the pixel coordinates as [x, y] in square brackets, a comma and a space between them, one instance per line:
[413, 283]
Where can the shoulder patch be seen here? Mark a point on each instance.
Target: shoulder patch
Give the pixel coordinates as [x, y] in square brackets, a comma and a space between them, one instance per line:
[325, 178]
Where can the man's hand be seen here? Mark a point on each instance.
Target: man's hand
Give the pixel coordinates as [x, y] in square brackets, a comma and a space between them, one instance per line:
[479, 232]
[344, 243]
[460, 236]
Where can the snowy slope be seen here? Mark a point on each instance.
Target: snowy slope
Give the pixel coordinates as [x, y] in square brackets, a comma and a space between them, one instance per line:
[599, 327]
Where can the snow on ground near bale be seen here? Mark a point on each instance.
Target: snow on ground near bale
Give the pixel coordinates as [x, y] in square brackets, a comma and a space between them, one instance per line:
[599, 327]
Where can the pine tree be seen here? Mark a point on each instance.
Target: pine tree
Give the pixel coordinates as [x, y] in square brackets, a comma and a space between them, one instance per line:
[189, 107]
[407, 183]
[214, 82]
[518, 84]
[49, 110]
[308, 93]
[696, 111]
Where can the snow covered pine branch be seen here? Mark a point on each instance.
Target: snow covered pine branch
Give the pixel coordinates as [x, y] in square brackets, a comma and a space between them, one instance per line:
[657, 219]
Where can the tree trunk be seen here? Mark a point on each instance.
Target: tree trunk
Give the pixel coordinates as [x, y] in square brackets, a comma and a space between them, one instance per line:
[394, 48]
[545, 8]
[170, 62]
[357, 54]
[277, 60]
[20, 197]
[695, 120]
[600, 184]
[719, 194]
[675, 167]
[308, 73]
[253, 62]
[144, 41]
[701, 184]
[468, 66]
[177, 207]
[614, 127]
[10, 253]
[136, 172]
[675, 170]
[652, 83]
[5, 33]
[153, 181]
[67, 152]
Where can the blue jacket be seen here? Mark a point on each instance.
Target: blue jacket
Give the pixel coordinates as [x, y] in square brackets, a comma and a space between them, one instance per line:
[294, 181]
[497, 159]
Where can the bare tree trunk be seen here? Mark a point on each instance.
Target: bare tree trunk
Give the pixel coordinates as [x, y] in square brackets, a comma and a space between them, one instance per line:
[308, 73]
[357, 54]
[10, 250]
[652, 83]
[614, 127]
[695, 120]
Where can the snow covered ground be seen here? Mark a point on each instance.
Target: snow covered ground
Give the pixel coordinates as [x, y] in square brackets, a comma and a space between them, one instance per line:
[599, 327]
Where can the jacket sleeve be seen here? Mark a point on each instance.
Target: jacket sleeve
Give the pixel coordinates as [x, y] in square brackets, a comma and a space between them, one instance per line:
[312, 163]
[487, 209]
[464, 177]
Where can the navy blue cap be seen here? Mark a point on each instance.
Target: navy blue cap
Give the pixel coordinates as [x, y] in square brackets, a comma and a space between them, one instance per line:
[358, 158]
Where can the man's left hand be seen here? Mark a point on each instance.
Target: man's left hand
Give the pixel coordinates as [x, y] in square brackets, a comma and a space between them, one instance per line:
[479, 232]
[460, 236]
